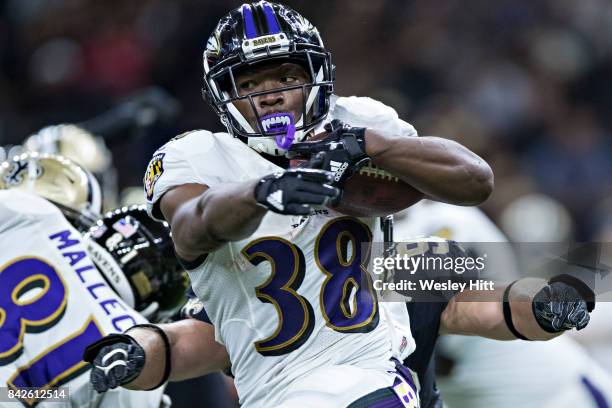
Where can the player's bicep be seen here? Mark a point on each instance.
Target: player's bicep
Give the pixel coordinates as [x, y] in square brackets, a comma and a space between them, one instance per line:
[194, 349]
[174, 198]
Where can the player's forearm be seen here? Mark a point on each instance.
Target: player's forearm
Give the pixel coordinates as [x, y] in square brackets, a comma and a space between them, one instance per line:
[440, 168]
[480, 313]
[155, 361]
[230, 212]
[193, 351]
[476, 313]
[221, 214]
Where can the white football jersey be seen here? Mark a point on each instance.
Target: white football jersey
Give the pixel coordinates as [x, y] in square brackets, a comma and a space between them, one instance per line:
[490, 373]
[53, 303]
[291, 301]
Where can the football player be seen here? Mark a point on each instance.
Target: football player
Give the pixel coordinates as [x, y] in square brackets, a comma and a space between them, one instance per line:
[56, 298]
[278, 272]
[480, 372]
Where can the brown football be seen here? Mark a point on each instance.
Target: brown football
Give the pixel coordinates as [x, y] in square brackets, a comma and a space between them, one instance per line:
[373, 192]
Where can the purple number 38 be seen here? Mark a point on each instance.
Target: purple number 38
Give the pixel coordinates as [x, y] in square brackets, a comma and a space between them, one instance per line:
[347, 300]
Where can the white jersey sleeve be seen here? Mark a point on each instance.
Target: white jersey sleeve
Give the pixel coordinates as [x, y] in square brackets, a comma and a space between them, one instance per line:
[171, 165]
[199, 157]
[508, 374]
[53, 303]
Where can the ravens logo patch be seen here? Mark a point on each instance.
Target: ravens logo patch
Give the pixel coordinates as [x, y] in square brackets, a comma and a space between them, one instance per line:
[154, 172]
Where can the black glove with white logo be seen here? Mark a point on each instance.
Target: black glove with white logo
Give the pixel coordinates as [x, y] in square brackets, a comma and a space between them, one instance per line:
[117, 359]
[564, 304]
[294, 191]
[342, 151]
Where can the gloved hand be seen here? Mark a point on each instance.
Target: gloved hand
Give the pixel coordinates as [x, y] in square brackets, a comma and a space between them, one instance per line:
[294, 191]
[559, 306]
[342, 151]
[117, 359]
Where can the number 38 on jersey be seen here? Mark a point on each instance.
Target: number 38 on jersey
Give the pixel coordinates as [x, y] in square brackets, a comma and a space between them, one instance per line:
[347, 300]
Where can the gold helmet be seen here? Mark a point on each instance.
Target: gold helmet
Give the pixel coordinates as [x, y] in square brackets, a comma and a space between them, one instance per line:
[58, 179]
[82, 146]
[73, 142]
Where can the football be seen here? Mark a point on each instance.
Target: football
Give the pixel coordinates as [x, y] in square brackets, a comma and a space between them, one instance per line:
[373, 192]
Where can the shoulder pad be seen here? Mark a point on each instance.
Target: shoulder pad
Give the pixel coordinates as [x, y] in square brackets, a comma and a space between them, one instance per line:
[194, 140]
[362, 111]
[367, 112]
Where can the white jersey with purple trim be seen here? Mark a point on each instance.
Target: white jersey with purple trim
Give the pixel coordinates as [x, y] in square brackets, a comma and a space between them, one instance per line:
[290, 303]
[504, 374]
[53, 303]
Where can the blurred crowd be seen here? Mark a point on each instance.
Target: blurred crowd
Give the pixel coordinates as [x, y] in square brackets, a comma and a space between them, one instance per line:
[526, 84]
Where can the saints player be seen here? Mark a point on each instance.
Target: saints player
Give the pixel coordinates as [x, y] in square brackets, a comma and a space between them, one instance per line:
[55, 298]
[481, 372]
[280, 277]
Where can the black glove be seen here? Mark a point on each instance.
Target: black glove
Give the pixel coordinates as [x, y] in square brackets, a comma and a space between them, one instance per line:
[559, 306]
[294, 191]
[117, 359]
[342, 151]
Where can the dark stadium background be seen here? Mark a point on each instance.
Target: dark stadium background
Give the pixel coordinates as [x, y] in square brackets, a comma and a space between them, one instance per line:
[526, 84]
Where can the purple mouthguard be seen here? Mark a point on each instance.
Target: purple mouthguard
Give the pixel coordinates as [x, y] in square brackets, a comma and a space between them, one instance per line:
[282, 125]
